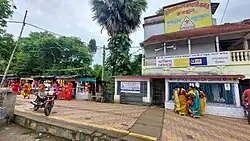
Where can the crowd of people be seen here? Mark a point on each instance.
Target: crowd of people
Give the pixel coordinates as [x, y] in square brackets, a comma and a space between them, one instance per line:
[191, 102]
[26, 88]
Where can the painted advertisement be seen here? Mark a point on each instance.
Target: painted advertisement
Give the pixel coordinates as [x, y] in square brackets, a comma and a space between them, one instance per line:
[202, 59]
[181, 62]
[198, 61]
[186, 16]
[130, 87]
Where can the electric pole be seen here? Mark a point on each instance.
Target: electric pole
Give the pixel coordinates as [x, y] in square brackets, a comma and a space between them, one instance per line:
[14, 50]
[103, 61]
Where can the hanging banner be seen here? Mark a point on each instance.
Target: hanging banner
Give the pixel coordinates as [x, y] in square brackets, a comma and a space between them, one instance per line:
[182, 62]
[187, 15]
[219, 58]
[130, 87]
[199, 61]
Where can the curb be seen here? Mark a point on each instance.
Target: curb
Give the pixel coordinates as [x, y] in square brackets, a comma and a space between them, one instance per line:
[68, 120]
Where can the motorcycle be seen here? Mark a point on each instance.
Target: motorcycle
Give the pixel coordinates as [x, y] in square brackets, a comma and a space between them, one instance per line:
[46, 102]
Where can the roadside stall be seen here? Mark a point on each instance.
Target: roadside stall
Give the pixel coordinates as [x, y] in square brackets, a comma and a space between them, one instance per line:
[48, 80]
[86, 88]
[67, 86]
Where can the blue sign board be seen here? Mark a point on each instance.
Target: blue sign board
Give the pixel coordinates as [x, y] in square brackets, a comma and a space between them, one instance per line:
[198, 61]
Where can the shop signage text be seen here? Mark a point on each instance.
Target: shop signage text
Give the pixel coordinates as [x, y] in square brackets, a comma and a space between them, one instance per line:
[186, 16]
[130, 87]
[203, 59]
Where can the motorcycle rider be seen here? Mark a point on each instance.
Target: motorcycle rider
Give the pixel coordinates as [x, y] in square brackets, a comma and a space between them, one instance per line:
[41, 92]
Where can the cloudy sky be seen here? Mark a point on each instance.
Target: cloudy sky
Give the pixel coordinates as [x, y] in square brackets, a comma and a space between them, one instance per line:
[74, 18]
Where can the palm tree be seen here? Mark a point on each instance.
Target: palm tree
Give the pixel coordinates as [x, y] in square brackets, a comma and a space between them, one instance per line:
[118, 16]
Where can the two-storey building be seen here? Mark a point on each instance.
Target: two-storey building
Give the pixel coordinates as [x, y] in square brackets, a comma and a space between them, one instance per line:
[216, 58]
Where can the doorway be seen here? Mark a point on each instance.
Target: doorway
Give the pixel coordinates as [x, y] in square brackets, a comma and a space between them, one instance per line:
[158, 92]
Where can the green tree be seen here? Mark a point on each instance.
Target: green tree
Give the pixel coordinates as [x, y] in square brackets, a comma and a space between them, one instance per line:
[92, 46]
[120, 18]
[7, 44]
[159, 11]
[136, 65]
[5, 12]
[44, 53]
[97, 71]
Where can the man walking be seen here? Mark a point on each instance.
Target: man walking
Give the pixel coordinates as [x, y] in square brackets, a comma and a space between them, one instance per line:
[246, 101]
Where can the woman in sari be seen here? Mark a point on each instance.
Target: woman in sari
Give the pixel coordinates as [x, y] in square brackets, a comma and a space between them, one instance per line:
[176, 100]
[69, 91]
[183, 102]
[26, 90]
[202, 102]
[195, 107]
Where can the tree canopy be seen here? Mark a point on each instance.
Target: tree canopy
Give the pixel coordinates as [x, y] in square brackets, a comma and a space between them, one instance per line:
[44, 53]
[118, 16]
[5, 12]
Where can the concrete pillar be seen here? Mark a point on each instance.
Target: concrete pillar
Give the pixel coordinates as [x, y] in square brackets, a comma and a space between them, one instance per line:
[116, 96]
[166, 90]
[164, 49]
[148, 91]
[217, 44]
[245, 44]
[8, 100]
[189, 47]
[237, 95]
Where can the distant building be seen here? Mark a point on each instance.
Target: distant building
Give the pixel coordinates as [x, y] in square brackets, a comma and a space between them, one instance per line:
[185, 49]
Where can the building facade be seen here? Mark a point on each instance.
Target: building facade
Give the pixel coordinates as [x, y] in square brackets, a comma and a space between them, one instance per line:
[214, 57]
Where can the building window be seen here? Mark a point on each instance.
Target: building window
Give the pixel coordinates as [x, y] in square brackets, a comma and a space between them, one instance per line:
[216, 93]
[174, 85]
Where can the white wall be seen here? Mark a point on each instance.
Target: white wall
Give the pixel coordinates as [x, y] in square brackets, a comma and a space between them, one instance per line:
[155, 29]
[202, 45]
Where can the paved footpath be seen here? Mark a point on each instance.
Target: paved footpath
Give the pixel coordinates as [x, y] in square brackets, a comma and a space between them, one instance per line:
[152, 122]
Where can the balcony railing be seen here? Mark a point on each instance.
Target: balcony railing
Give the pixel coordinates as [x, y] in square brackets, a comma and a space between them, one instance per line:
[239, 57]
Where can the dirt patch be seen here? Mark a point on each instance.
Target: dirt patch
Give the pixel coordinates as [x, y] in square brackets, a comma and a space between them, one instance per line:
[15, 132]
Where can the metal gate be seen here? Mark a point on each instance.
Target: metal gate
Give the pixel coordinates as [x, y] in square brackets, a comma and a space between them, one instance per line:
[131, 98]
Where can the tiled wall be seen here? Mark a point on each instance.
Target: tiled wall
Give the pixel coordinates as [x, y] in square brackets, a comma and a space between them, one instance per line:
[226, 111]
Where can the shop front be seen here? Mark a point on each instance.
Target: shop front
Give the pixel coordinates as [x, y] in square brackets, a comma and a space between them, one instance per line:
[222, 91]
[86, 88]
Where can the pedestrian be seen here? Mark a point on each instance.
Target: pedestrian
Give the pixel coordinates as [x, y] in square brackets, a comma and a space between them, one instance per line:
[69, 91]
[176, 100]
[202, 102]
[246, 95]
[182, 94]
[195, 108]
[56, 86]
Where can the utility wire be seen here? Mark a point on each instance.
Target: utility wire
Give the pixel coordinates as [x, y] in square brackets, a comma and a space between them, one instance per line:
[38, 27]
[224, 12]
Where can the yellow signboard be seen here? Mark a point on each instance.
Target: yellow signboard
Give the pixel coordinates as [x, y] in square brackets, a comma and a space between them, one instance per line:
[182, 62]
[188, 15]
